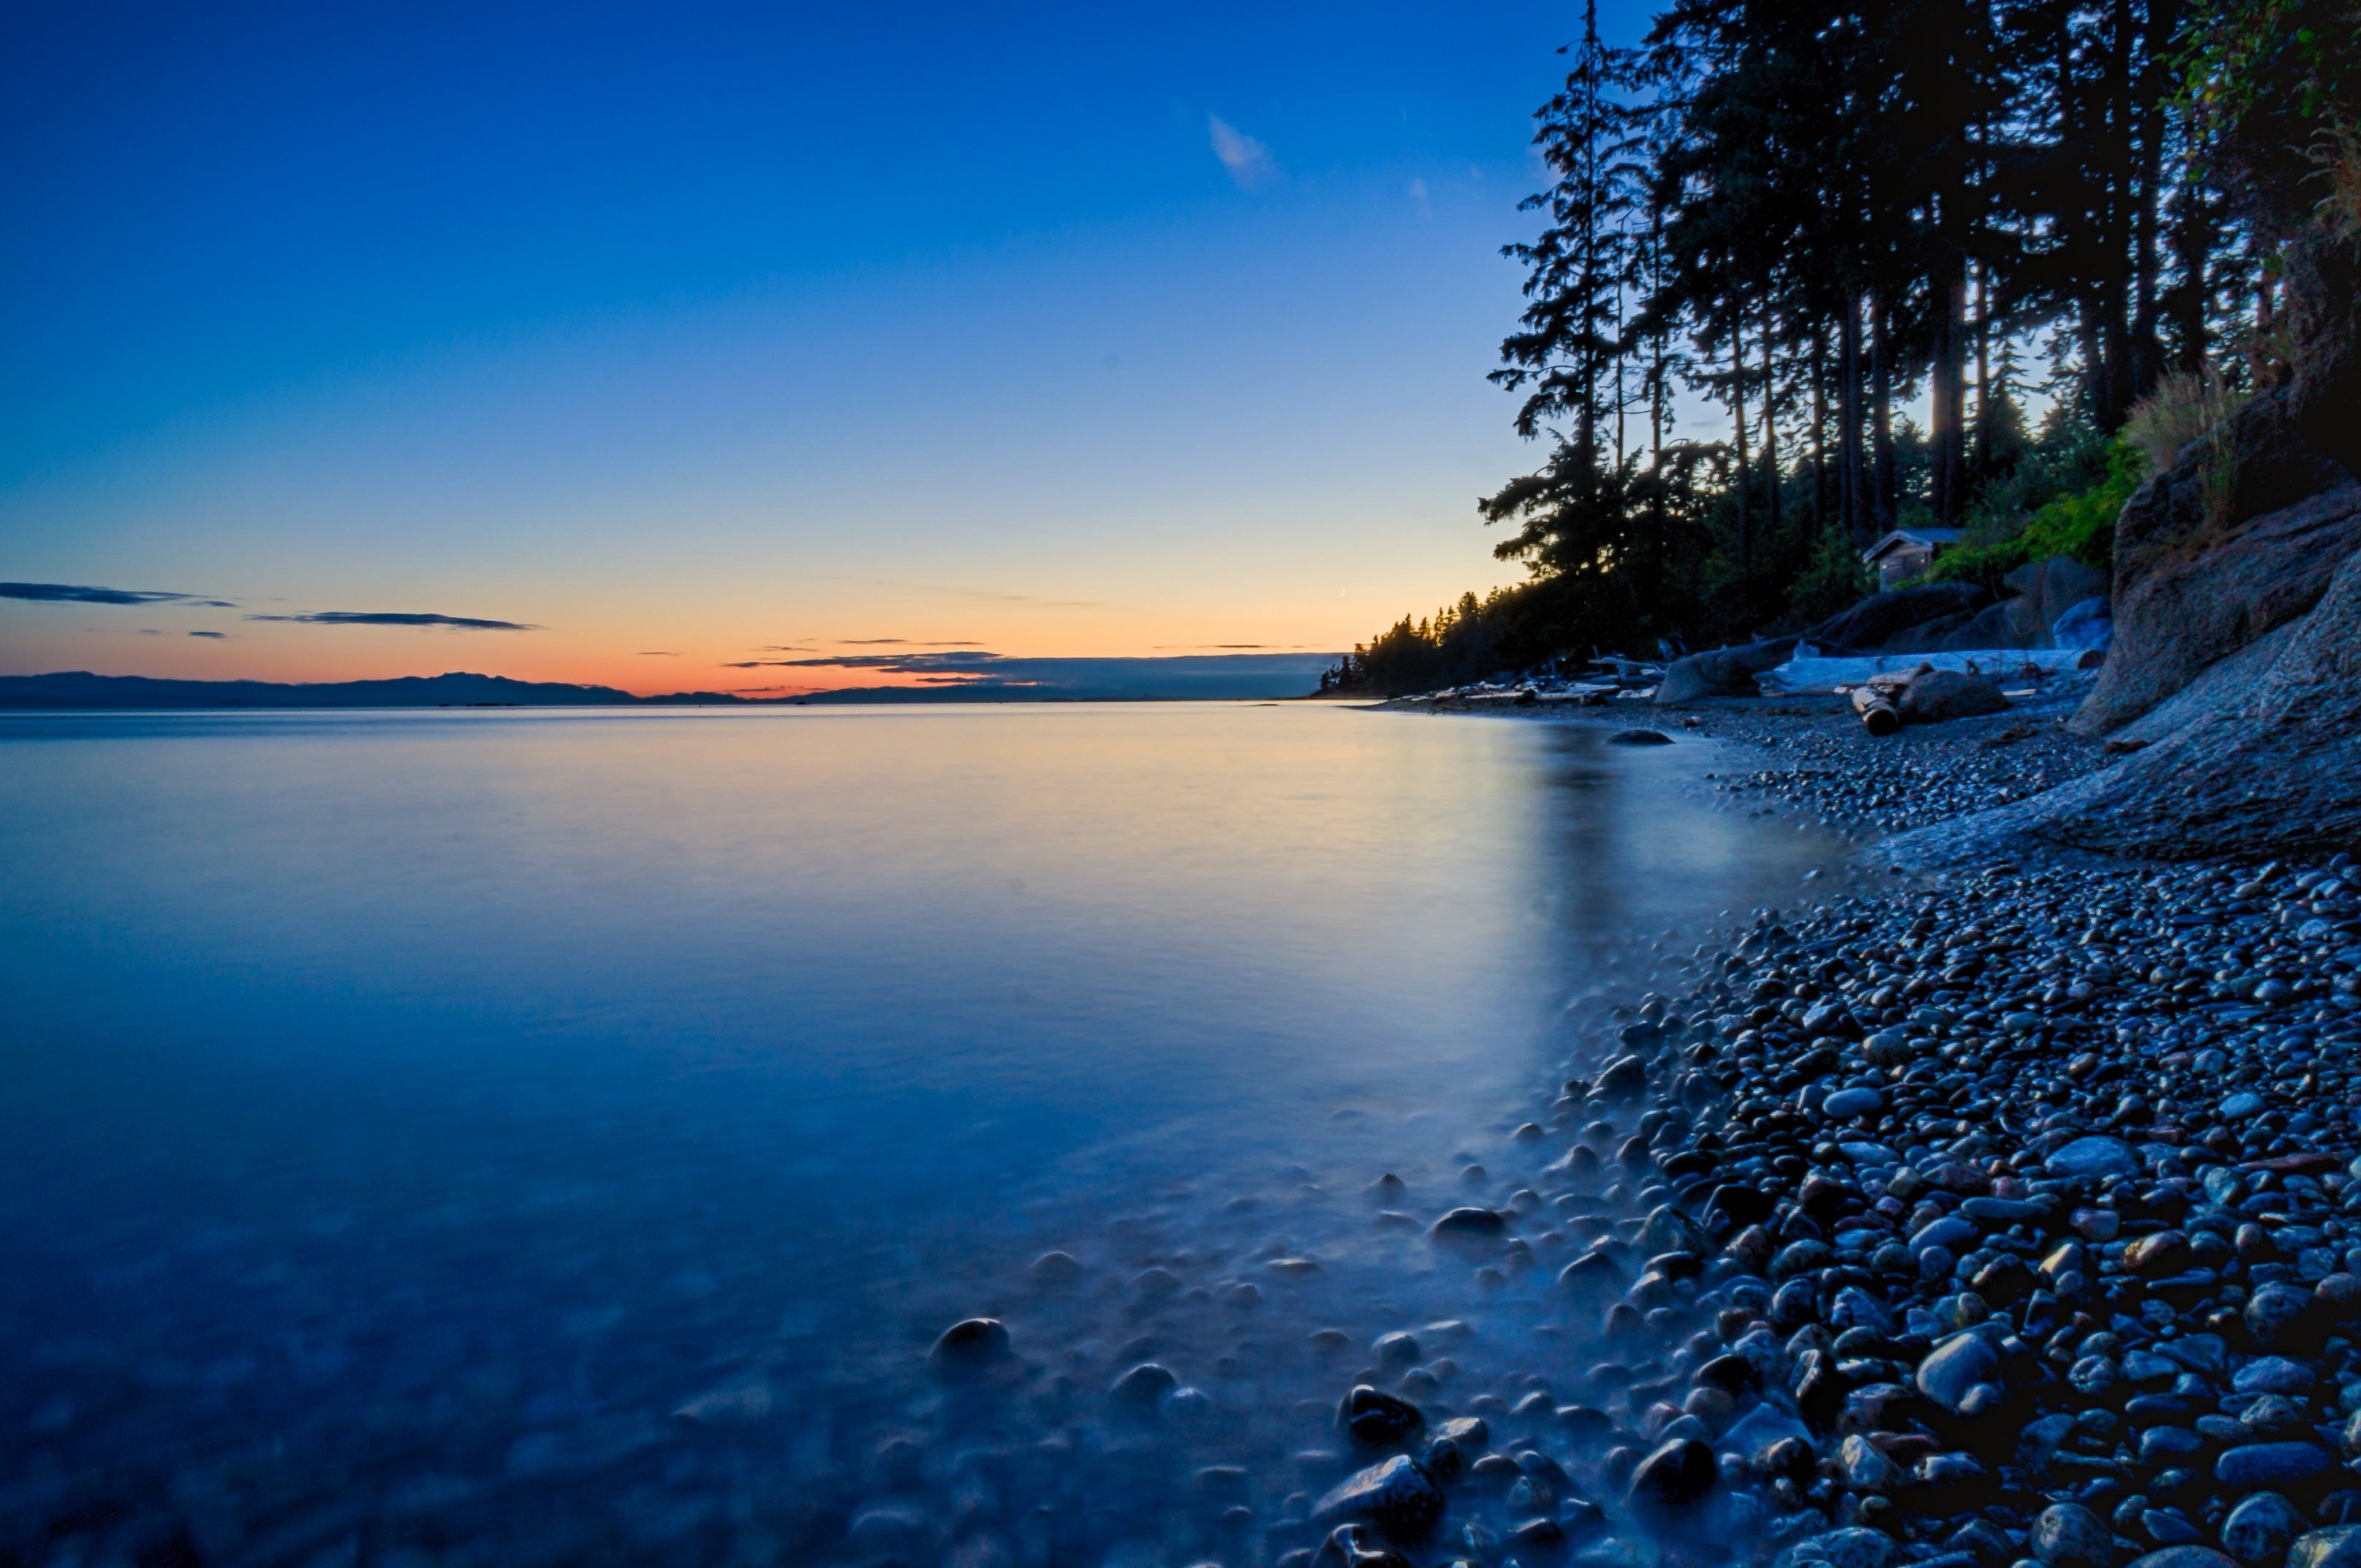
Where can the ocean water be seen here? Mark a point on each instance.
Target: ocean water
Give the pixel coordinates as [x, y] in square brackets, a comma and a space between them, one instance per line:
[514, 1137]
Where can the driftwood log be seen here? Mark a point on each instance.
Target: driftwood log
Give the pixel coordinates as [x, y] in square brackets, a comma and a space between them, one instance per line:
[1875, 704]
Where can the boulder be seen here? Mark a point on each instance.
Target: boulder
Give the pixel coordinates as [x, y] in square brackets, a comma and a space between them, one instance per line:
[1903, 620]
[1934, 695]
[1724, 673]
[2044, 591]
[1397, 1496]
[2190, 591]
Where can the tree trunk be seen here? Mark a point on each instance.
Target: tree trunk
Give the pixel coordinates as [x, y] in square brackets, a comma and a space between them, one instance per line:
[1946, 400]
[1852, 499]
[1737, 412]
[1819, 430]
[1884, 498]
[1770, 429]
[1983, 450]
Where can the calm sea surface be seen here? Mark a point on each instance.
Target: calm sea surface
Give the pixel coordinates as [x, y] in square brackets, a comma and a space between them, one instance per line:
[558, 1136]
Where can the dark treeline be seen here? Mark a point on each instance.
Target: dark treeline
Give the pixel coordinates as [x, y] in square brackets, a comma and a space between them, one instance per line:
[1814, 212]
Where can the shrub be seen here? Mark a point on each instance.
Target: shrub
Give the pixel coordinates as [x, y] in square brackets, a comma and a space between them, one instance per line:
[2081, 525]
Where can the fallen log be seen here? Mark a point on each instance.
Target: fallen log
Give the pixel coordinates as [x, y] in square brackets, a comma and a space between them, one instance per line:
[1875, 706]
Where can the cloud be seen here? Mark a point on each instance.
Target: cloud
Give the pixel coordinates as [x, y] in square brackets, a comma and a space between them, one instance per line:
[885, 642]
[216, 636]
[1248, 161]
[72, 593]
[398, 618]
[1215, 676]
[657, 653]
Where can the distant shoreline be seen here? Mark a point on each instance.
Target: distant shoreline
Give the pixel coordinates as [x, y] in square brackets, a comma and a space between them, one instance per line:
[1230, 678]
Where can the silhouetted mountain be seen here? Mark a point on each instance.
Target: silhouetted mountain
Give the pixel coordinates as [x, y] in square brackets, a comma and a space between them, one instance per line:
[981, 677]
[78, 688]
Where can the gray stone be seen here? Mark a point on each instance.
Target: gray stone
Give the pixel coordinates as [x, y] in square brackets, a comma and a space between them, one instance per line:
[1396, 1496]
[1677, 1474]
[2272, 1374]
[2275, 1313]
[1955, 1366]
[2067, 1535]
[2182, 1557]
[1845, 1104]
[2339, 1546]
[1847, 1548]
[1724, 673]
[2266, 1465]
[970, 1346]
[2259, 1528]
[1934, 696]
[2093, 1156]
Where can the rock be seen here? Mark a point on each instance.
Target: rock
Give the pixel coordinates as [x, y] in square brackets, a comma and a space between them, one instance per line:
[2067, 1535]
[1904, 620]
[1639, 738]
[1676, 1474]
[2192, 590]
[970, 1346]
[2339, 1546]
[1936, 696]
[1867, 1469]
[1139, 1391]
[1845, 1104]
[2093, 1157]
[1724, 673]
[2275, 1314]
[2262, 1466]
[2259, 1528]
[1469, 1224]
[2272, 1374]
[2045, 592]
[2182, 1557]
[1396, 1496]
[1626, 1077]
[1847, 1548]
[1955, 1366]
[1378, 1420]
[1056, 1270]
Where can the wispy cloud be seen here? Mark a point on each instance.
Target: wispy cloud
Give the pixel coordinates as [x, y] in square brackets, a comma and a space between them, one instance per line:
[887, 642]
[1248, 161]
[215, 636]
[398, 618]
[75, 593]
[1220, 675]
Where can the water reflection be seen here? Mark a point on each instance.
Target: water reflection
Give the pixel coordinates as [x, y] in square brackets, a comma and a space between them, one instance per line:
[495, 1137]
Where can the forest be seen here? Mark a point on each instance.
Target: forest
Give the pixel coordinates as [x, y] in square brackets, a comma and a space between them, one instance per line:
[1816, 216]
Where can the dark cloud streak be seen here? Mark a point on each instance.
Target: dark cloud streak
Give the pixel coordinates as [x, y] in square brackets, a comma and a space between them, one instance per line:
[398, 618]
[75, 593]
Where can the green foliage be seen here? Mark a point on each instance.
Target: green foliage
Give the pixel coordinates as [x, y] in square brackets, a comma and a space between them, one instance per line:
[2080, 524]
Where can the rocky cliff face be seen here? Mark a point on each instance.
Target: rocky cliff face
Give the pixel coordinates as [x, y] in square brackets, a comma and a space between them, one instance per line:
[2236, 669]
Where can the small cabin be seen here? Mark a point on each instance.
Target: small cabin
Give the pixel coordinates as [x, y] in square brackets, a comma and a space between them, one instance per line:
[1906, 553]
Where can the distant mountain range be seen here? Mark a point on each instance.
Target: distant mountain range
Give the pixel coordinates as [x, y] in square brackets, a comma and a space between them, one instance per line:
[1232, 677]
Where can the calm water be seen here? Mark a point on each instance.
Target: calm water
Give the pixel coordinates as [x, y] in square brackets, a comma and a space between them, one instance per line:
[507, 1137]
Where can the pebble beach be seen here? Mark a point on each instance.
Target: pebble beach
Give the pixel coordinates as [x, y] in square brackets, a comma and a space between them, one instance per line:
[2000, 1215]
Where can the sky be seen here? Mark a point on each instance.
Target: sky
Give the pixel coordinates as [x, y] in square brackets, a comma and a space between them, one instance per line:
[724, 348]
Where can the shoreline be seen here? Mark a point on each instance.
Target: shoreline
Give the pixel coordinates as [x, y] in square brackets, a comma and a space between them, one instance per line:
[1999, 1215]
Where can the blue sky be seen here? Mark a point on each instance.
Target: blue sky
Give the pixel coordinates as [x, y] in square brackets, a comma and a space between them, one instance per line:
[682, 333]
